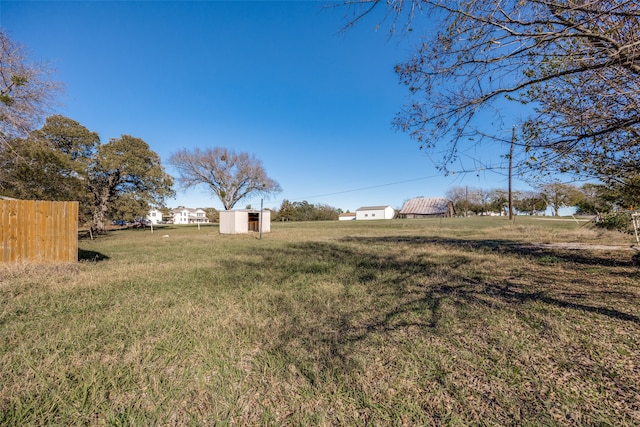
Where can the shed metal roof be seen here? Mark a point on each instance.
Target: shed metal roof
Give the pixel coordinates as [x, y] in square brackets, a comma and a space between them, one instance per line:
[372, 208]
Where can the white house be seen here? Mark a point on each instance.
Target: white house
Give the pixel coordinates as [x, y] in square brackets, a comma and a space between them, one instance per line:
[154, 216]
[182, 215]
[375, 212]
[244, 221]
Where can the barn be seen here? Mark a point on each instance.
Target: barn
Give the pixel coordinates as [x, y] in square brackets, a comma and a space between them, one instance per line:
[244, 221]
[427, 207]
[375, 212]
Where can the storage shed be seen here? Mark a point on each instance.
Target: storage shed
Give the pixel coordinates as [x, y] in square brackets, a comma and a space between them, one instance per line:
[347, 216]
[427, 207]
[244, 221]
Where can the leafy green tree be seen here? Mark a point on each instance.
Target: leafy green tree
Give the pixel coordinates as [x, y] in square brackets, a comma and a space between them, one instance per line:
[596, 199]
[498, 200]
[287, 211]
[125, 167]
[50, 164]
[482, 201]
[212, 214]
[128, 207]
[325, 213]
[305, 211]
[615, 196]
[65, 161]
[627, 192]
[229, 175]
[70, 139]
[26, 172]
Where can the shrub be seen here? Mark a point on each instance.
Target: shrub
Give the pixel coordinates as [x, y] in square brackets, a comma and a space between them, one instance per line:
[620, 221]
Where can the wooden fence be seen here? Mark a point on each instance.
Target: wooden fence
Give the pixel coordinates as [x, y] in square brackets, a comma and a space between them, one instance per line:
[38, 231]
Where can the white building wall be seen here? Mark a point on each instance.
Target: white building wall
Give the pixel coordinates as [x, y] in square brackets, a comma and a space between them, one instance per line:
[154, 216]
[373, 214]
[389, 212]
[200, 216]
[369, 215]
[237, 222]
[234, 222]
[266, 221]
[181, 217]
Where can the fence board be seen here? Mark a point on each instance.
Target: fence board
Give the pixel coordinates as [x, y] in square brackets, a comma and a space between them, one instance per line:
[38, 231]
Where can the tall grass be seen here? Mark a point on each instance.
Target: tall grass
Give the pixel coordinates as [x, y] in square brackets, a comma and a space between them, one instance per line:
[430, 322]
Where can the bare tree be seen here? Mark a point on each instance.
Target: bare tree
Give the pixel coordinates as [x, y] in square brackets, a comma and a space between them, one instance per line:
[576, 63]
[498, 200]
[26, 91]
[460, 198]
[230, 176]
[559, 195]
[530, 201]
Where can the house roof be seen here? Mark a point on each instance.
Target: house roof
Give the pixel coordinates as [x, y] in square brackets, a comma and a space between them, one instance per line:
[345, 214]
[373, 208]
[247, 210]
[425, 206]
[181, 209]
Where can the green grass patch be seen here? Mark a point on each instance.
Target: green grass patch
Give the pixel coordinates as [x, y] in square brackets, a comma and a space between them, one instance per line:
[426, 322]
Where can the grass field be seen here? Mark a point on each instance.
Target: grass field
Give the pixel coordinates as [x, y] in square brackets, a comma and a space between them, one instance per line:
[415, 322]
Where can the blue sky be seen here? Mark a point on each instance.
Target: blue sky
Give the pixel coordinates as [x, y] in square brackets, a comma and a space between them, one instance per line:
[275, 79]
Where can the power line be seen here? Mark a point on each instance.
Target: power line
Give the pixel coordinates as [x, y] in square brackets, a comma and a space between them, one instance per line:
[484, 168]
[461, 172]
[361, 189]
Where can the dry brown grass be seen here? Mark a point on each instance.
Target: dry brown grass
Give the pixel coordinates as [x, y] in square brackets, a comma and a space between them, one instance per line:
[389, 323]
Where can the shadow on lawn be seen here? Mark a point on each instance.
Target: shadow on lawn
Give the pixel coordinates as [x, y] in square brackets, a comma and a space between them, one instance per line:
[508, 292]
[586, 257]
[386, 291]
[85, 255]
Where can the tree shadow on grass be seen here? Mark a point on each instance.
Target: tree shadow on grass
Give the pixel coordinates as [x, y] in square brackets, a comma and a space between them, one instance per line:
[383, 292]
[532, 250]
[542, 255]
[508, 293]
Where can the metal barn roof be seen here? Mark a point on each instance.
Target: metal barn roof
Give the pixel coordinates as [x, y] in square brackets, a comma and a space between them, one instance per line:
[425, 206]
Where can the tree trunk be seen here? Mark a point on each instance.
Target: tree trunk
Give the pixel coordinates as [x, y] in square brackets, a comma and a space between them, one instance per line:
[102, 194]
[99, 213]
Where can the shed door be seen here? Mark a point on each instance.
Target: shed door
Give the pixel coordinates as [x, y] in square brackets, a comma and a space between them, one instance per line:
[254, 221]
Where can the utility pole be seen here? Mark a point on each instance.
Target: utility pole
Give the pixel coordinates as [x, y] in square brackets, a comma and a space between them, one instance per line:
[260, 217]
[513, 141]
[466, 201]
